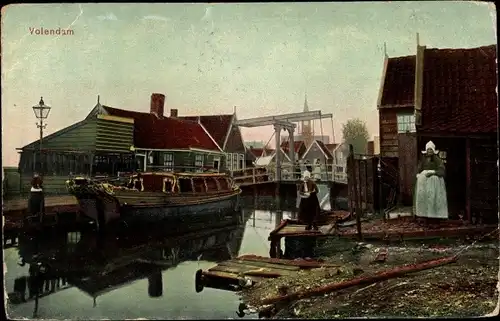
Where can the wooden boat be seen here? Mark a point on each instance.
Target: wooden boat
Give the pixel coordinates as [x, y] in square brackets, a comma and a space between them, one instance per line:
[157, 196]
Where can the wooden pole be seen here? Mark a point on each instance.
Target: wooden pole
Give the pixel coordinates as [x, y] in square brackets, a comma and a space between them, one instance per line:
[355, 194]
[383, 275]
[468, 180]
[380, 198]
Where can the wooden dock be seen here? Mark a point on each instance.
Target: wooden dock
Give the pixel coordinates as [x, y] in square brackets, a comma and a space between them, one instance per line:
[16, 208]
[327, 227]
[247, 270]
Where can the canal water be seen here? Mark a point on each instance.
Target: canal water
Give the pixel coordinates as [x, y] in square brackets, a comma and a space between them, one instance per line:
[177, 298]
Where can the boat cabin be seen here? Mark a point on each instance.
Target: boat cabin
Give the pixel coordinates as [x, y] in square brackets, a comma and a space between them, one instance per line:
[180, 183]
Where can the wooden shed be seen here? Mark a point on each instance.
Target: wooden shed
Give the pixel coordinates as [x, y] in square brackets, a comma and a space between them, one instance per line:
[458, 112]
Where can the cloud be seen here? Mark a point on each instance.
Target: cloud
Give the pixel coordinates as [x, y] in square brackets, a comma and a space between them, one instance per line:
[108, 16]
[154, 17]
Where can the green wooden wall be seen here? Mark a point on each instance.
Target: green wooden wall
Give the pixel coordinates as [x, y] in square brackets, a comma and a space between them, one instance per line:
[114, 136]
[80, 136]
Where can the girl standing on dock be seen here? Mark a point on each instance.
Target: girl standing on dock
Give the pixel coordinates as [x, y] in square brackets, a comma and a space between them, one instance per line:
[36, 202]
[309, 208]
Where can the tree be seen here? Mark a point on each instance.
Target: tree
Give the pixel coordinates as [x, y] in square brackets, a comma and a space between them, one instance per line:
[354, 132]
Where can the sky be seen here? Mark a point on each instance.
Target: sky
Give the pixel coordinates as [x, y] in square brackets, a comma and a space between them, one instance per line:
[208, 58]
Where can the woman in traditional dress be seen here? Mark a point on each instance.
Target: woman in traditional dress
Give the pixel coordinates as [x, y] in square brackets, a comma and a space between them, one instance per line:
[309, 208]
[317, 170]
[36, 203]
[430, 192]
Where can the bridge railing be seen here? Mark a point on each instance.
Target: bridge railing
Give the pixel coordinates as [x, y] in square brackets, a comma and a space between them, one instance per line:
[260, 174]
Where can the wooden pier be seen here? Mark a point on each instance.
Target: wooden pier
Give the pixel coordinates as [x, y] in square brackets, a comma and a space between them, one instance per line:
[59, 210]
[16, 208]
[327, 227]
[247, 270]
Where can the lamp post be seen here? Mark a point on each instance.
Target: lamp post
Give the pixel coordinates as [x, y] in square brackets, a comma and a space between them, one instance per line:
[41, 113]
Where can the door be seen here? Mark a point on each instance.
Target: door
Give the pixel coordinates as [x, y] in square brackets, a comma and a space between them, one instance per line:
[140, 161]
[408, 160]
[217, 163]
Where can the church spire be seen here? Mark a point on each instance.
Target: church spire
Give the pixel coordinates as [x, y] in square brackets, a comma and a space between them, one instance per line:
[306, 107]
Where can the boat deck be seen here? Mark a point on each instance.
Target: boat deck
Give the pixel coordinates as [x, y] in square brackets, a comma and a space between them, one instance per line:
[232, 274]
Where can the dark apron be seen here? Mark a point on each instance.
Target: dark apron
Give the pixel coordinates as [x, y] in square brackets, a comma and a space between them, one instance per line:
[36, 204]
[309, 209]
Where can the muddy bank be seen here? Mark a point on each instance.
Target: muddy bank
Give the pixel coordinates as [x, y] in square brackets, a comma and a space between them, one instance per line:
[463, 289]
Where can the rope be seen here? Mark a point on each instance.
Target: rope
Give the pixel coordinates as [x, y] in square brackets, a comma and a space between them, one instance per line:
[324, 155]
[333, 129]
[267, 144]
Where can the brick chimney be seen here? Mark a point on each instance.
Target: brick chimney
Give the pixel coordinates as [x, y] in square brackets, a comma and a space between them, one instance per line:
[157, 105]
[174, 113]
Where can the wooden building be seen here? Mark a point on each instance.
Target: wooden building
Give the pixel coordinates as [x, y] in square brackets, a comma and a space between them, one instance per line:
[396, 103]
[457, 106]
[167, 143]
[299, 148]
[227, 136]
[111, 140]
[318, 151]
[254, 153]
[447, 96]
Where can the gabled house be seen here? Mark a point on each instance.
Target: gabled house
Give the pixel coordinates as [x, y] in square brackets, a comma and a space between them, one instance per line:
[318, 151]
[448, 96]
[396, 102]
[299, 148]
[269, 161]
[226, 134]
[168, 143]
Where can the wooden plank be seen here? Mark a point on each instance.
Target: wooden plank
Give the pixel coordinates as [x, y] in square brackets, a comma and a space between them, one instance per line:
[244, 271]
[231, 276]
[254, 264]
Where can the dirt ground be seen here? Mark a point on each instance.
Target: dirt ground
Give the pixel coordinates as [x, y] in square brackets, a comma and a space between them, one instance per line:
[466, 288]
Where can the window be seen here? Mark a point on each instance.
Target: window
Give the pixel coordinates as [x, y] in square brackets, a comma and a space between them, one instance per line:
[229, 160]
[198, 163]
[406, 123]
[168, 162]
[235, 162]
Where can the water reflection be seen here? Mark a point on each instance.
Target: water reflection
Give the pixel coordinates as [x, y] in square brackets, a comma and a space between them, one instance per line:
[81, 275]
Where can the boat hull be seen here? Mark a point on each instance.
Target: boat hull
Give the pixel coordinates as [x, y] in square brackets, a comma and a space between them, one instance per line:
[106, 209]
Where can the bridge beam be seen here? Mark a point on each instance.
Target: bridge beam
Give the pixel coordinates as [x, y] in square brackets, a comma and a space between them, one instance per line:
[292, 117]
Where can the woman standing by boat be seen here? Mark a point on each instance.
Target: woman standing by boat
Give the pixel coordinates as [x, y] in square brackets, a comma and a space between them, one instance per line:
[36, 202]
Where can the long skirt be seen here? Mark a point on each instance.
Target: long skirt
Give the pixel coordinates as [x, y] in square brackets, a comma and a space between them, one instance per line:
[309, 209]
[36, 203]
[431, 197]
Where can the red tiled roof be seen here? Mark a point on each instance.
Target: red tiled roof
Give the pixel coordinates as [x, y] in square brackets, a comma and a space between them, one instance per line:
[297, 145]
[459, 90]
[217, 125]
[331, 147]
[164, 133]
[399, 82]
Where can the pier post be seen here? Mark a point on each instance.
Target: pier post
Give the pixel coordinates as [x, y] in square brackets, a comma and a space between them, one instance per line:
[277, 132]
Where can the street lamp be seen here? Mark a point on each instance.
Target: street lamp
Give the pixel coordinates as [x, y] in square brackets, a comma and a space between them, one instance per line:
[41, 113]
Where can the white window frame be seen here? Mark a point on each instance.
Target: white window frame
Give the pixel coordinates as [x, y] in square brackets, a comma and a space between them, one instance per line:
[406, 123]
[199, 160]
[241, 161]
[168, 162]
[235, 164]
[229, 161]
